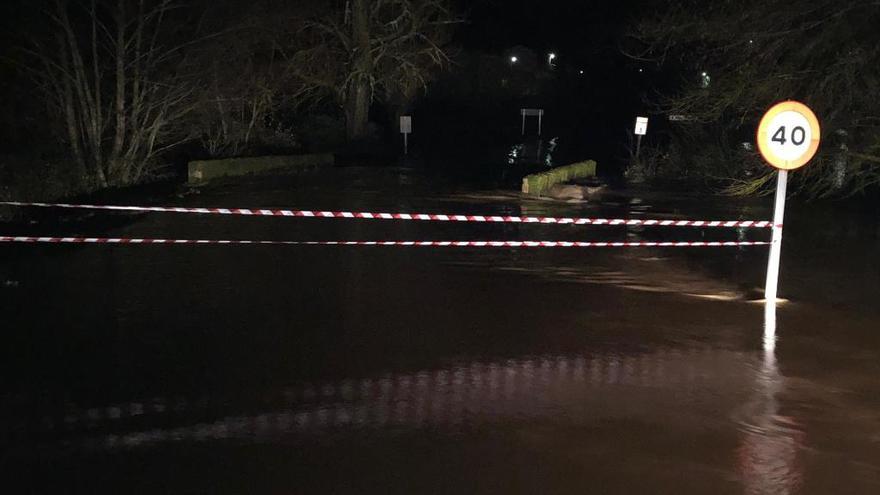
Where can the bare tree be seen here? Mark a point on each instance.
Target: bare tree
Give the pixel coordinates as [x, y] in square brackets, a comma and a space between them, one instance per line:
[239, 88]
[115, 84]
[370, 49]
[242, 76]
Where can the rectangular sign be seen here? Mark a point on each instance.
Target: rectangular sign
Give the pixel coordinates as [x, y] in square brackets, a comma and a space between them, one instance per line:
[405, 124]
[532, 112]
[641, 126]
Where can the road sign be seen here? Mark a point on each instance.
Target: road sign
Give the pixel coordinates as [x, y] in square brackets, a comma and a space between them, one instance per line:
[406, 124]
[406, 130]
[788, 135]
[531, 112]
[641, 126]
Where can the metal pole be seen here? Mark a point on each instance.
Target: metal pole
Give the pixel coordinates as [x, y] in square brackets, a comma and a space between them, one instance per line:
[523, 123]
[638, 146]
[540, 115]
[776, 244]
[405, 144]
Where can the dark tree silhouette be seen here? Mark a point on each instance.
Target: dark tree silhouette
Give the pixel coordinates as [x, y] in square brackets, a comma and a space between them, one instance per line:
[368, 50]
[736, 59]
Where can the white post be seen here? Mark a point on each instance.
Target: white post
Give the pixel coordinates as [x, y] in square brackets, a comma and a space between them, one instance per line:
[540, 115]
[523, 122]
[776, 242]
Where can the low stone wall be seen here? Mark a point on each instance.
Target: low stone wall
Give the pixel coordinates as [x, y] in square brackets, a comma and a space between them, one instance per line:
[540, 184]
[204, 170]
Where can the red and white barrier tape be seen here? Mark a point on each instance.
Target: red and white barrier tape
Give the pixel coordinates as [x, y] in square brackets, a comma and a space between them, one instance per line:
[502, 244]
[405, 216]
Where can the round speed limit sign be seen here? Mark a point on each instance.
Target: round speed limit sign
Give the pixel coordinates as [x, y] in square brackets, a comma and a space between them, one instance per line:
[788, 135]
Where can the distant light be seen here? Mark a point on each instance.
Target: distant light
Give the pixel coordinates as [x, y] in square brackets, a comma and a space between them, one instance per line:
[640, 70]
[581, 72]
[513, 60]
[551, 56]
[705, 79]
[751, 41]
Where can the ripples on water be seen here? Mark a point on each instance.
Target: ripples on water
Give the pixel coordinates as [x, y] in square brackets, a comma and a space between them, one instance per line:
[570, 388]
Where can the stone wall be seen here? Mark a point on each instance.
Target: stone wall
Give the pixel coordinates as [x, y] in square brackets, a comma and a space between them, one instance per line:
[540, 184]
[205, 170]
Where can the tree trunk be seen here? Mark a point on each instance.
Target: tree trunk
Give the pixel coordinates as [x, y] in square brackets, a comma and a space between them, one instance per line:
[117, 165]
[66, 103]
[357, 110]
[359, 94]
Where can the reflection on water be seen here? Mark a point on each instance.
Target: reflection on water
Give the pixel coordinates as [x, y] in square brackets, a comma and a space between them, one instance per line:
[771, 442]
[770, 331]
[573, 388]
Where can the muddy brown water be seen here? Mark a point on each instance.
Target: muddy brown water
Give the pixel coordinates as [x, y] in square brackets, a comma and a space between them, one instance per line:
[273, 369]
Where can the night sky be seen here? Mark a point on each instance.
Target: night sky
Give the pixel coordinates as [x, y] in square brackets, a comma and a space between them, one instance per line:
[585, 35]
[580, 29]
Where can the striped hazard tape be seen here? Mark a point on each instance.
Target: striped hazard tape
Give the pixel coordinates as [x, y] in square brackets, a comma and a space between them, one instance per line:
[440, 217]
[474, 244]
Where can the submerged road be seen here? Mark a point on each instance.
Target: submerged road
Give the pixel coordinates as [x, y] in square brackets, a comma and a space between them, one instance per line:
[349, 369]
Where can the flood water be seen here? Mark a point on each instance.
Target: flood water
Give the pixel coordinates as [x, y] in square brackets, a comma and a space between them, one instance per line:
[282, 369]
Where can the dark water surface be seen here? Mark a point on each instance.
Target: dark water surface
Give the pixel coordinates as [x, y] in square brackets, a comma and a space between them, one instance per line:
[272, 369]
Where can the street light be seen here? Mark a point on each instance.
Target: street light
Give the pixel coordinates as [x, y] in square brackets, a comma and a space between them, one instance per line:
[513, 59]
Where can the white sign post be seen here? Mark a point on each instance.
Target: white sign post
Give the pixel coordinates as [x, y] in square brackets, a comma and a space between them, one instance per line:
[641, 126]
[788, 137]
[640, 130]
[406, 130]
[772, 283]
[531, 112]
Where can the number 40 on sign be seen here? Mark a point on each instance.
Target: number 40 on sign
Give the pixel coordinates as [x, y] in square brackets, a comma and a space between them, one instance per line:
[788, 135]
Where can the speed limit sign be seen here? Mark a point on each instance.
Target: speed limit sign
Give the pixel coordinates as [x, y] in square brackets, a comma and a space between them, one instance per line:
[788, 135]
